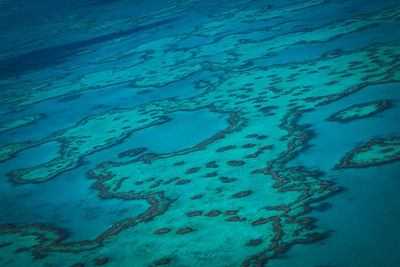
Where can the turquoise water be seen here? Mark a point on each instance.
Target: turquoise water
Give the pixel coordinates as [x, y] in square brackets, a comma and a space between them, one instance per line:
[194, 133]
[363, 218]
[69, 203]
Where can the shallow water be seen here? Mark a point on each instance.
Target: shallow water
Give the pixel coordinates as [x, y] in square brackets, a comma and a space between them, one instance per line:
[69, 203]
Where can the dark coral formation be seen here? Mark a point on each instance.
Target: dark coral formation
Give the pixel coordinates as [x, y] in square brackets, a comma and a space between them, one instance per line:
[356, 111]
[184, 230]
[227, 179]
[213, 213]
[101, 261]
[381, 150]
[192, 170]
[230, 212]
[254, 242]
[162, 231]
[235, 162]
[163, 262]
[242, 194]
[212, 164]
[183, 181]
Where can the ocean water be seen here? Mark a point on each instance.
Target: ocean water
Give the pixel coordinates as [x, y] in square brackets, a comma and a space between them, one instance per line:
[194, 133]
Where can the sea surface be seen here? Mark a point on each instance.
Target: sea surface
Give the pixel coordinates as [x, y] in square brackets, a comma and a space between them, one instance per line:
[200, 133]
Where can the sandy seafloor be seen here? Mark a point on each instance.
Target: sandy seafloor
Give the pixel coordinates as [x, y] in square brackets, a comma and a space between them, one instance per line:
[200, 133]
